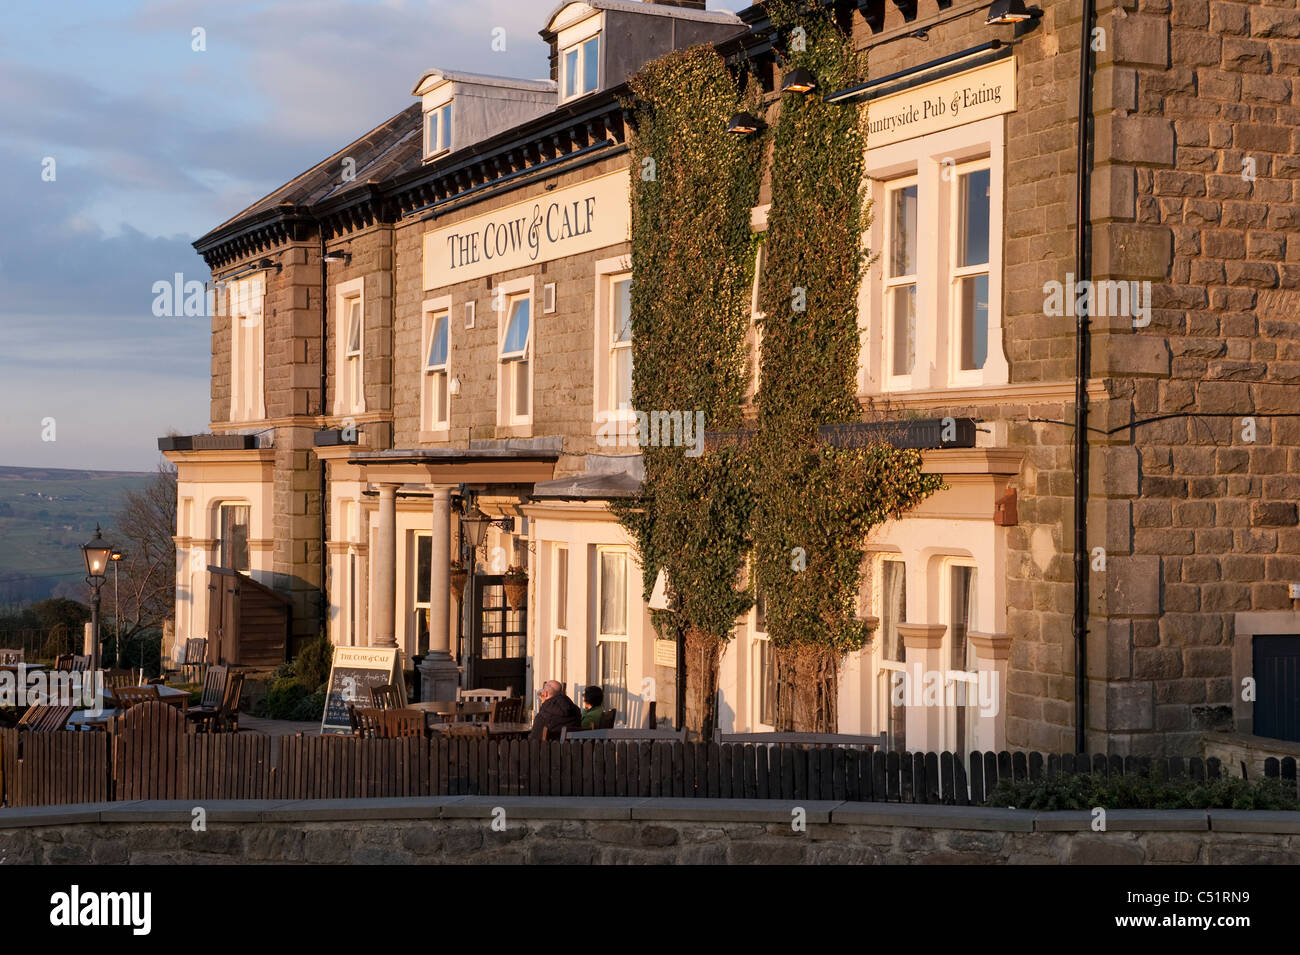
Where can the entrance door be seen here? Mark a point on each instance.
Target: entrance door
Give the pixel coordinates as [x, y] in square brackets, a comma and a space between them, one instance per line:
[500, 638]
[1277, 686]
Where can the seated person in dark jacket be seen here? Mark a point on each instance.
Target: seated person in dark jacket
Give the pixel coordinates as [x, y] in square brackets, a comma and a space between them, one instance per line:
[593, 699]
[555, 712]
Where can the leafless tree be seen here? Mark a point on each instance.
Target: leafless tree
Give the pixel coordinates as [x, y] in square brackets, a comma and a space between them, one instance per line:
[142, 531]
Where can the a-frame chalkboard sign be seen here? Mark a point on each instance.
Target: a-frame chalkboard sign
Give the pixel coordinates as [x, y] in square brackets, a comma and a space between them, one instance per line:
[354, 671]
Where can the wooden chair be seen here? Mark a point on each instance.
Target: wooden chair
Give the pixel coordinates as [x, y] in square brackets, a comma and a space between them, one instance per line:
[128, 696]
[45, 719]
[63, 661]
[651, 721]
[196, 655]
[401, 723]
[214, 689]
[482, 695]
[509, 709]
[118, 678]
[367, 722]
[80, 662]
[224, 717]
[11, 657]
[385, 697]
[607, 719]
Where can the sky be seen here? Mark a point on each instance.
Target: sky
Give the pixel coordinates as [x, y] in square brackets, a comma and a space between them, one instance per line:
[129, 128]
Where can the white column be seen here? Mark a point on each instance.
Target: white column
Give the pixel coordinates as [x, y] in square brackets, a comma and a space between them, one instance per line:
[924, 643]
[438, 673]
[385, 610]
[992, 655]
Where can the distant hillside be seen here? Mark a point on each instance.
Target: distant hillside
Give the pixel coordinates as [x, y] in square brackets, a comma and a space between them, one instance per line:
[46, 514]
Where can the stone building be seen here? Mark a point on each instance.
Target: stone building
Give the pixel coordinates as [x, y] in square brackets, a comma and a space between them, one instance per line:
[451, 380]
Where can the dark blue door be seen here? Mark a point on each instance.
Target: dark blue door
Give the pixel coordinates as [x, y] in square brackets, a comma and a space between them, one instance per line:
[1277, 686]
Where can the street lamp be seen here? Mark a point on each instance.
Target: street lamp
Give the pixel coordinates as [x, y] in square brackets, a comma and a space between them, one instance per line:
[97, 554]
[114, 558]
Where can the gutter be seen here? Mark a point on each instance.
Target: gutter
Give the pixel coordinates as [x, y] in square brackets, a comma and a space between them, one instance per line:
[323, 499]
[1082, 269]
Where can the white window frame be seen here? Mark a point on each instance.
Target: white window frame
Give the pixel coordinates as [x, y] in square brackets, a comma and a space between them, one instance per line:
[754, 338]
[896, 382]
[246, 299]
[935, 161]
[432, 427]
[886, 667]
[560, 628]
[219, 537]
[608, 423]
[349, 378]
[956, 273]
[600, 635]
[433, 142]
[946, 567]
[613, 345]
[759, 642]
[580, 51]
[508, 294]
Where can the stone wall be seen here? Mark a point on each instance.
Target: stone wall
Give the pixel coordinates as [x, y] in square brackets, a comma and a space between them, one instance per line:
[613, 831]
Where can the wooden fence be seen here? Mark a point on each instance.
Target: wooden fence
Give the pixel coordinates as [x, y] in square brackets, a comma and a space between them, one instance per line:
[53, 768]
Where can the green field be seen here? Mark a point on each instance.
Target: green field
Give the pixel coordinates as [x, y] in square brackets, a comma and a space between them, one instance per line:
[46, 514]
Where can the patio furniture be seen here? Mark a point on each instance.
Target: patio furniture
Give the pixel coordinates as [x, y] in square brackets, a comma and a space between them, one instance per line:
[172, 696]
[366, 721]
[80, 662]
[11, 657]
[482, 695]
[651, 721]
[454, 710]
[509, 709]
[607, 719]
[196, 656]
[224, 718]
[128, 696]
[385, 697]
[63, 662]
[401, 723]
[468, 730]
[118, 678]
[45, 719]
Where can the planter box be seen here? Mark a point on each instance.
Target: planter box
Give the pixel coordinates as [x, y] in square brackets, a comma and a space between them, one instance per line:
[223, 442]
[175, 443]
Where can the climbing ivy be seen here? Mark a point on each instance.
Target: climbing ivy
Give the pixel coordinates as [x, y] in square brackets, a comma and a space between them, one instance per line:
[815, 504]
[693, 187]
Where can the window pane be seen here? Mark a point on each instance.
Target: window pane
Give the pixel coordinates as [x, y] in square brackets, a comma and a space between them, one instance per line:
[974, 321]
[560, 651]
[517, 331]
[354, 325]
[902, 241]
[521, 389]
[904, 331]
[440, 407]
[234, 537]
[962, 657]
[590, 63]
[423, 558]
[562, 588]
[621, 393]
[613, 593]
[438, 344]
[893, 608]
[767, 685]
[622, 317]
[444, 141]
[974, 235]
[760, 612]
[613, 674]
[571, 72]
[431, 131]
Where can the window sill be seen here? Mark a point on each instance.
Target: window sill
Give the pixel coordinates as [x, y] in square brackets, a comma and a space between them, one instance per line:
[441, 436]
[515, 430]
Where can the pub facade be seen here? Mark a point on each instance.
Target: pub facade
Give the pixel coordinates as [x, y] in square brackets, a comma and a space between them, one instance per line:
[424, 339]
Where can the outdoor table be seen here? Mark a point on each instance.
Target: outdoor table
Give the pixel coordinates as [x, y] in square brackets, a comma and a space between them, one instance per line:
[455, 709]
[166, 694]
[84, 719]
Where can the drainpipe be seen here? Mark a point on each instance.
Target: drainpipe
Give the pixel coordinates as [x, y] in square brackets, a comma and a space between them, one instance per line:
[1082, 269]
[324, 334]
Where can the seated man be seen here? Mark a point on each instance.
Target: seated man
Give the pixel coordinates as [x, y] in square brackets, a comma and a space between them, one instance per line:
[555, 712]
[593, 698]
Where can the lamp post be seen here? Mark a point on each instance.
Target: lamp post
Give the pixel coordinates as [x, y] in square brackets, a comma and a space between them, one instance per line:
[97, 554]
[114, 558]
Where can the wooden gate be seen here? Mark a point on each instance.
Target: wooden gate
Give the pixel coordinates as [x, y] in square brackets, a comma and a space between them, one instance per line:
[248, 623]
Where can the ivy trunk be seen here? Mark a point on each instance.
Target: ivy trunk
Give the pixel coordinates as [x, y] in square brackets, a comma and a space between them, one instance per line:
[703, 654]
[807, 698]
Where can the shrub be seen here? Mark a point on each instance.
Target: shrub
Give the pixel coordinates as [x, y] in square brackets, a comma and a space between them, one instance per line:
[1144, 791]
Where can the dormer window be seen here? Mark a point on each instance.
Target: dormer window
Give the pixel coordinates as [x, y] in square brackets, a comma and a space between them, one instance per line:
[581, 66]
[437, 130]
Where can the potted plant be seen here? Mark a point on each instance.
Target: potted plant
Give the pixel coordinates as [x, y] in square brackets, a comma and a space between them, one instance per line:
[516, 585]
[459, 575]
